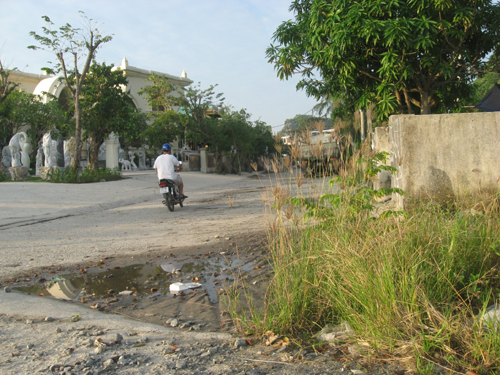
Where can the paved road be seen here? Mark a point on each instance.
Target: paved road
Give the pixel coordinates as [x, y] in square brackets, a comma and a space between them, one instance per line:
[43, 224]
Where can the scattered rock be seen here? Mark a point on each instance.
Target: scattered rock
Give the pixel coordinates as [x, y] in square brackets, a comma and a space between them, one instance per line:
[174, 322]
[239, 343]
[75, 318]
[331, 333]
[180, 364]
[7, 289]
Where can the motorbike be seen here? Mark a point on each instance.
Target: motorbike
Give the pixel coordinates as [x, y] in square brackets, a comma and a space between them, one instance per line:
[170, 193]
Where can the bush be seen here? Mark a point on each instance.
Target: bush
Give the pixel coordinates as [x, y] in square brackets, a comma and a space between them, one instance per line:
[87, 175]
[408, 283]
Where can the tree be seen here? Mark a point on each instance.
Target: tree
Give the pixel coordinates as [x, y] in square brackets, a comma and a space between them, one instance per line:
[201, 105]
[21, 109]
[6, 86]
[401, 55]
[107, 108]
[75, 42]
[164, 98]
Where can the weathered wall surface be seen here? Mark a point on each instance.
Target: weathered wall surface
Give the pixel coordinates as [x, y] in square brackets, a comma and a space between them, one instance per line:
[445, 156]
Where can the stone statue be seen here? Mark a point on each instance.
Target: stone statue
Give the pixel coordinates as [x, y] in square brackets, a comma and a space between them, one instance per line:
[131, 157]
[25, 146]
[126, 164]
[70, 151]
[15, 151]
[50, 157]
[102, 152]
[112, 135]
[39, 161]
[6, 158]
[142, 159]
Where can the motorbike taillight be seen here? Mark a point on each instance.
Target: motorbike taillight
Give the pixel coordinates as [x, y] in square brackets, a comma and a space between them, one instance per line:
[163, 184]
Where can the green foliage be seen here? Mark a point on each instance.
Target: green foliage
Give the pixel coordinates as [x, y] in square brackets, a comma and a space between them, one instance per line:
[78, 44]
[405, 56]
[356, 196]
[168, 124]
[409, 285]
[3, 176]
[21, 108]
[6, 86]
[87, 175]
[107, 108]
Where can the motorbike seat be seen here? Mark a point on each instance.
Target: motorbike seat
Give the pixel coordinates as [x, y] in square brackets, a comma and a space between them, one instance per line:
[166, 182]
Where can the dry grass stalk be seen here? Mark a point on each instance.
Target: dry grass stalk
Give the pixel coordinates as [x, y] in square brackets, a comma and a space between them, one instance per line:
[230, 201]
[300, 180]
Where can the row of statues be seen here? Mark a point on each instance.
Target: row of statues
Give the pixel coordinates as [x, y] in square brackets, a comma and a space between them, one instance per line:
[60, 153]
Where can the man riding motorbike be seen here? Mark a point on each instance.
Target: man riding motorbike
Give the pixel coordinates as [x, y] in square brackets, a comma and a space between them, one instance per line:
[165, 167]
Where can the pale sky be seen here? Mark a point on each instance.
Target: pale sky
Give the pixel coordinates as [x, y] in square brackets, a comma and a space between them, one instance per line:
[215, 41]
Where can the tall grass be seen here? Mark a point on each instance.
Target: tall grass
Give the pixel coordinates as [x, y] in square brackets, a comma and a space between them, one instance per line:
[410, 285]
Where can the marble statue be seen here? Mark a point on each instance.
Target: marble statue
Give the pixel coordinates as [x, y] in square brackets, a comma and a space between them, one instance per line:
[142, 159]
[39, 161]
[25, 146]
[102, 152]
[126, 164]
[15, 151]
[6, 158]
[131, 157]
[48, 151]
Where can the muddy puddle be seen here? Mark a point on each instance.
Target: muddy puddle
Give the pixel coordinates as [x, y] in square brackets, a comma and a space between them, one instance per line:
[192, 290]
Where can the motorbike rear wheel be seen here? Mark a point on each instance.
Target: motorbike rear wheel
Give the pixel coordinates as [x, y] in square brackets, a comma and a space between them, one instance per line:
[170, 202]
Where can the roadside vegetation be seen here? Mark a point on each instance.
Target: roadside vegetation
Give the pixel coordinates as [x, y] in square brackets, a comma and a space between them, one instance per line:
[74, 176]
[410, 284]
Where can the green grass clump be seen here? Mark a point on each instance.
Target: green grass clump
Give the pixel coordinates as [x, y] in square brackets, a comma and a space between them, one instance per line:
[86, 175]
[410, 284]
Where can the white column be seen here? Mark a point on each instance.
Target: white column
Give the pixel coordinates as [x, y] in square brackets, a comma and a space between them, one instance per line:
[111, 153]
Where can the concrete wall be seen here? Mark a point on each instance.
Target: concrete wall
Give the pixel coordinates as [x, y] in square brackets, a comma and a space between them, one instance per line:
[444, 156]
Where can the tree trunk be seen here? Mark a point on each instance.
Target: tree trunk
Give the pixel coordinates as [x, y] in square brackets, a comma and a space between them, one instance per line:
[362, 118]
[425, 108]
[408, 101]
[78, 130]
[94, 152]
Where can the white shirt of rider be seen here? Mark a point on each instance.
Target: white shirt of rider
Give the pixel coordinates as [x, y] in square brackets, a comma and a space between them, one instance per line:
[165, 165]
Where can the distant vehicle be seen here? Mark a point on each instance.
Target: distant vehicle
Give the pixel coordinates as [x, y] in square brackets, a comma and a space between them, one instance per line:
[319, 153]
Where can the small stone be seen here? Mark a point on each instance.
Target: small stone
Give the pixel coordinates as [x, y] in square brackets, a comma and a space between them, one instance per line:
[180, 364]
[7, 289]
[30, 346]
[29, 321]
[108, 363]
[49, 319]
[58, 330]
[100, 349]
[118, 338]
[239, 343]
[174, 322]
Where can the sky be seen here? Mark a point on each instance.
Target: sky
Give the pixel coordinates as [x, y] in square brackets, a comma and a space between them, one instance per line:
[215, 41]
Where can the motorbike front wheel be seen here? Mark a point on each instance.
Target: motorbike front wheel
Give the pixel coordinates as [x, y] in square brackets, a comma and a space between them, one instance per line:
[170, 202]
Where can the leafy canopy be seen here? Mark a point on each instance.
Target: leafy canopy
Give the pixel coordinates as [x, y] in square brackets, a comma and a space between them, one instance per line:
[405, 56]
